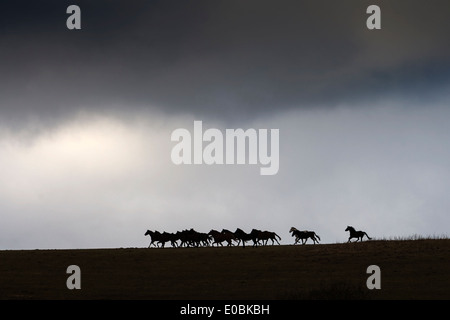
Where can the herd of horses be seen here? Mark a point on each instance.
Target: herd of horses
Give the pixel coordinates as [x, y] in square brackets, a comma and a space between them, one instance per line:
[192, 238]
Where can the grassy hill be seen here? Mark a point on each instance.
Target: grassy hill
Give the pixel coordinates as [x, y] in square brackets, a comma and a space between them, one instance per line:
[410, 269]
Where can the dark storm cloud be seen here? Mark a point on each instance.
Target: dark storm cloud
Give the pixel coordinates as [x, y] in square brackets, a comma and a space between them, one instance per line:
[223, 58]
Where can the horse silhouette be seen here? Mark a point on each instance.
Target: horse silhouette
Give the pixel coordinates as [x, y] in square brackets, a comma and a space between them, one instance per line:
[356, 234]
[161, 238]
[304, 235]
[242, 236]
[265, 235]
[220, 237]
[271, 236]
[193, 238]
[154, 237]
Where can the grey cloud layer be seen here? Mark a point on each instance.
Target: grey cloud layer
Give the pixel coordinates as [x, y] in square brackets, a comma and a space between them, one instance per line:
[220, 59]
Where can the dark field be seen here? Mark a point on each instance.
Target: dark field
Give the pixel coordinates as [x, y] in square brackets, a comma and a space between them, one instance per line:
[410, 269]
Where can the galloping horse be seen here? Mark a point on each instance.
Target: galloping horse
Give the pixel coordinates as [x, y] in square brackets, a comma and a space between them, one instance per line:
[193, 238]
[220, 237]
[304, 235]
[154, 236]
[271, 236]
[265, 235]
[161, 238]
[241, 235]
[356, 234]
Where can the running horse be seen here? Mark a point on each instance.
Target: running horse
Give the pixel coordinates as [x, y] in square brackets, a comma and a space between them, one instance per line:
[154, 236]
[356, 234]
[242, 236]
[220, 237]
[304, 235]
[265, 235]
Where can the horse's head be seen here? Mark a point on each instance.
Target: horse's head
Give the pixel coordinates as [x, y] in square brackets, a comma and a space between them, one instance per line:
[292, 229]
[349, 228]
[147, 233]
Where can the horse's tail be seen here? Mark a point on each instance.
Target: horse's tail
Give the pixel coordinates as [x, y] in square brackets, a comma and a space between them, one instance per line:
[367, 236]
[279, 238]
[317, 235]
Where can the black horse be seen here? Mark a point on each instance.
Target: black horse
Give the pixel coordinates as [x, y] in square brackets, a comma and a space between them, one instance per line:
[154, 236]
[242, 236]
[193, 238]
[304, 235]
[356, 234]
[220, 237]
[161, 238]
[265, 236]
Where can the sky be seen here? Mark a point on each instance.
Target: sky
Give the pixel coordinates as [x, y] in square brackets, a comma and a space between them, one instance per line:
[86, 118]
